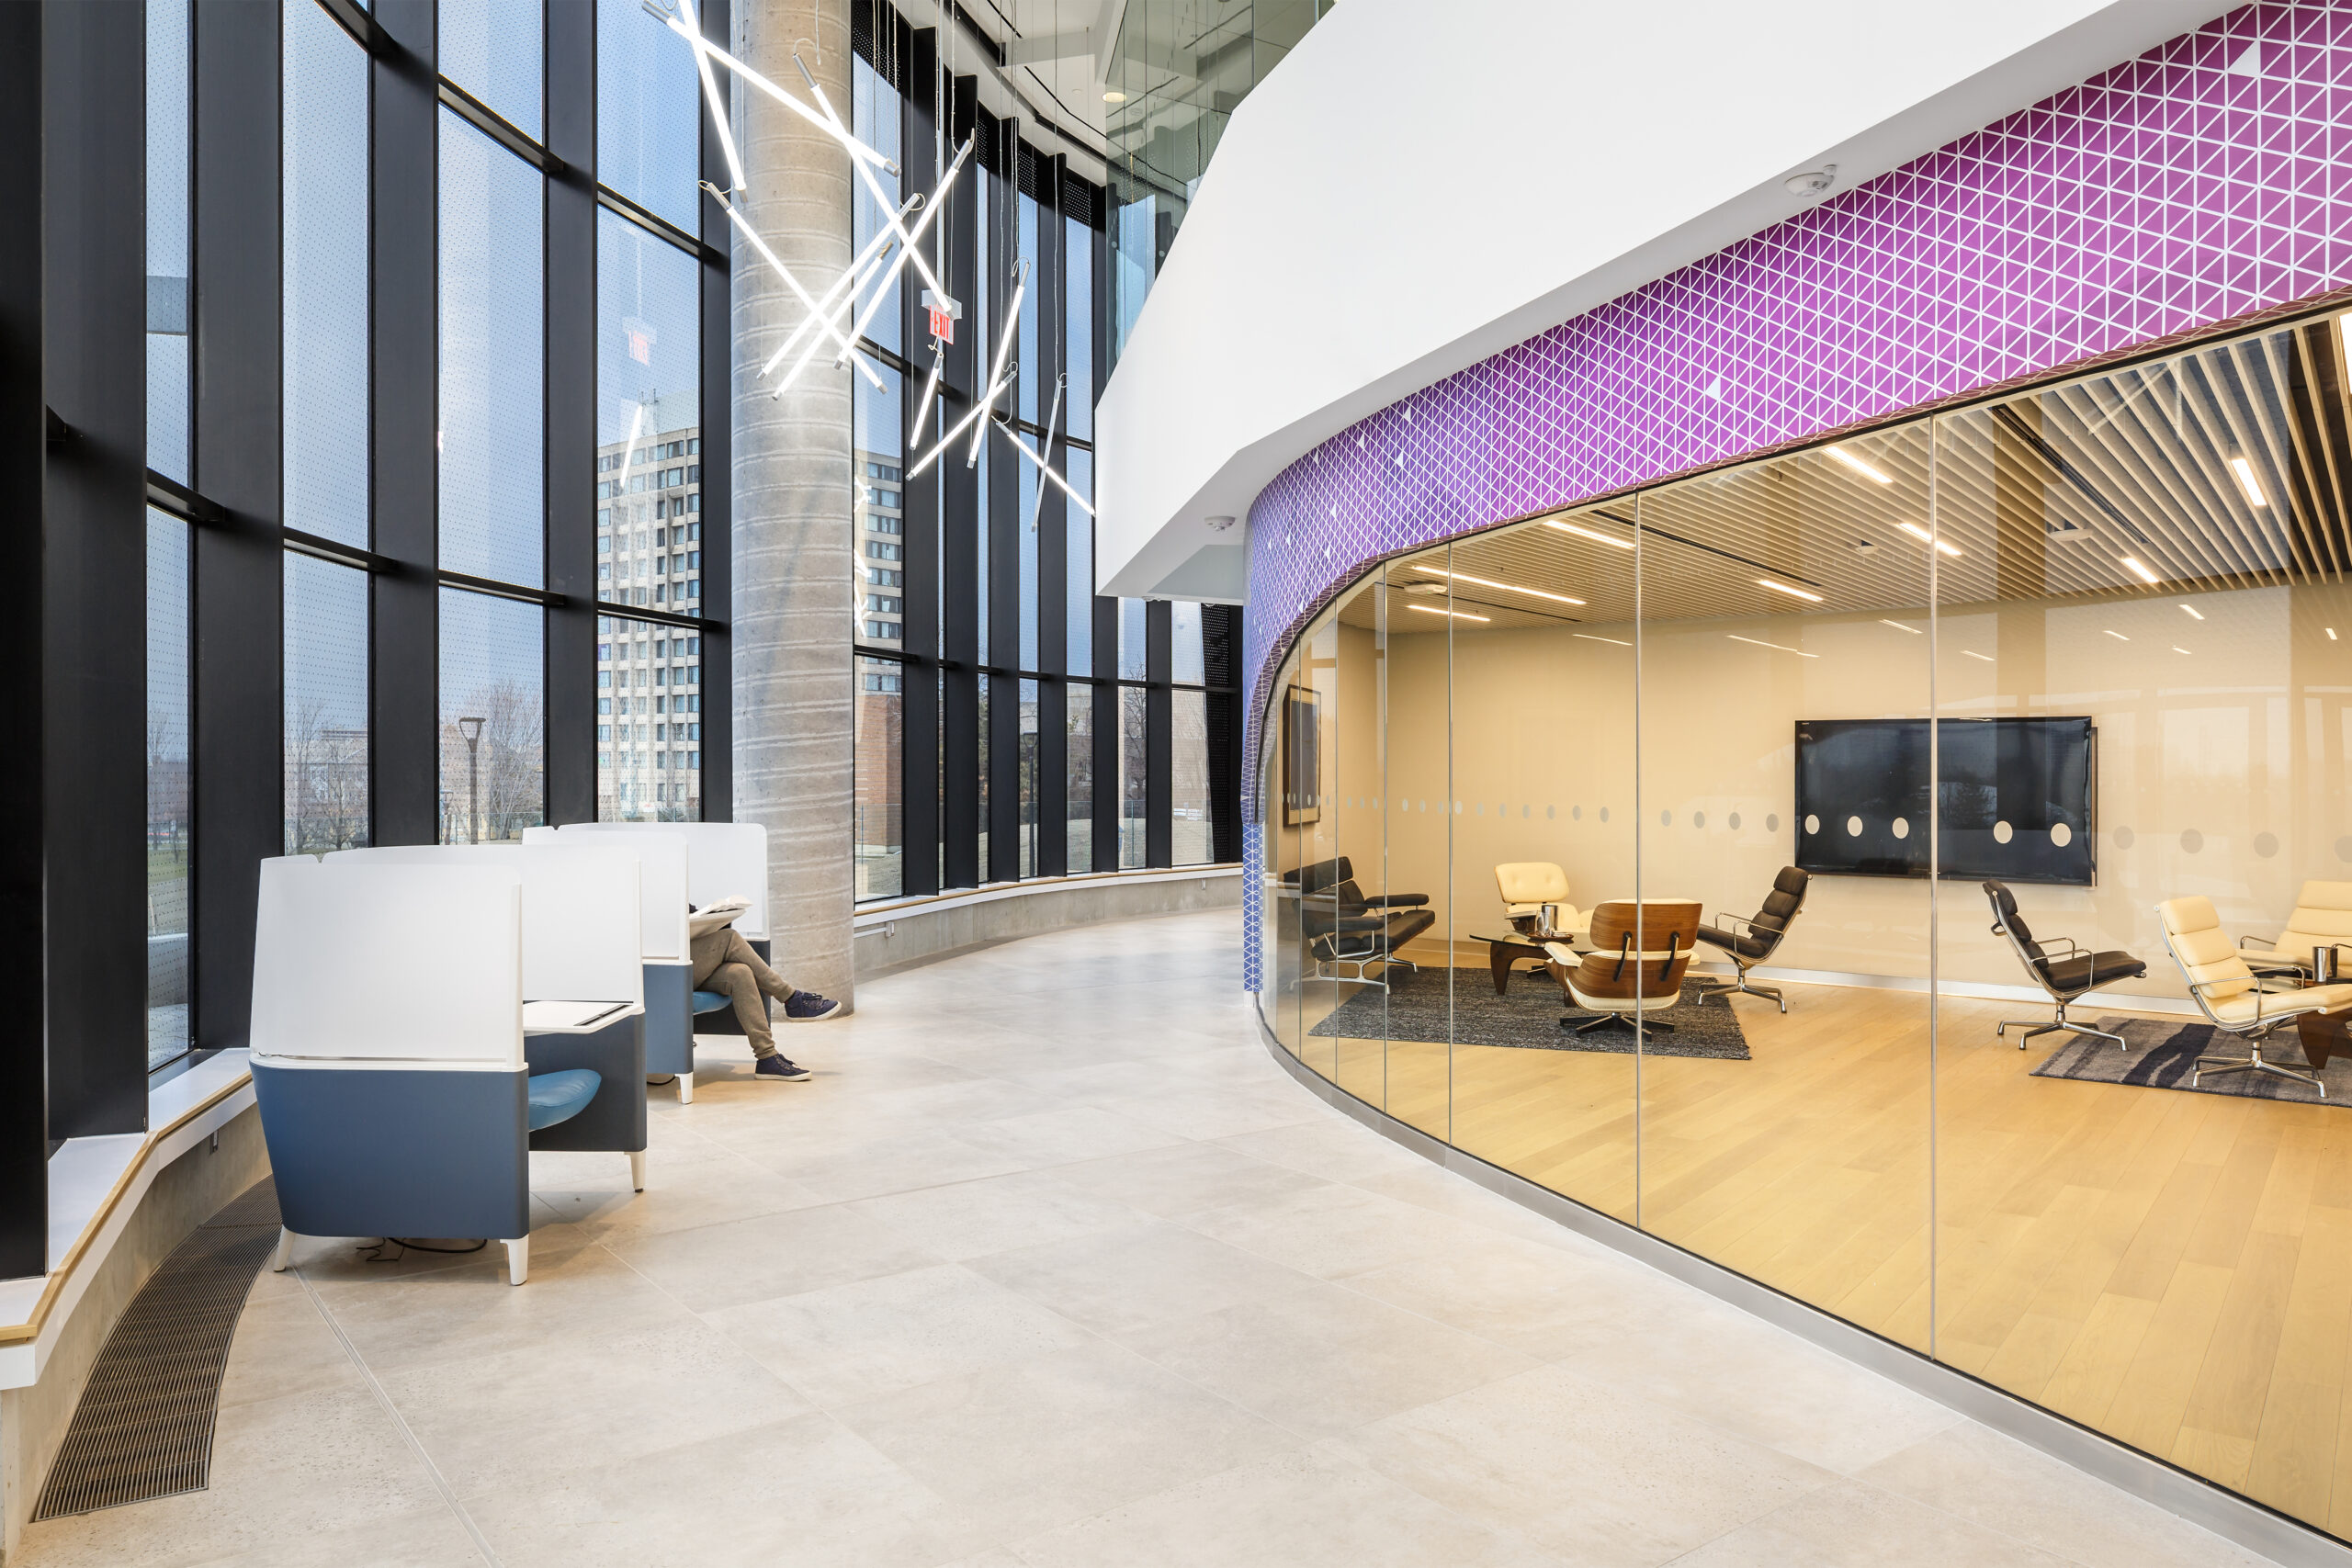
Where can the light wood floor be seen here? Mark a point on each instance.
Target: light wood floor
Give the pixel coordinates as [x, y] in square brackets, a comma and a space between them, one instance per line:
[2173, 1268]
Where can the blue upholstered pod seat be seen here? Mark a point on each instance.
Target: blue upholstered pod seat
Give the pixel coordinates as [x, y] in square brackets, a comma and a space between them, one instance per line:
[559, 1097]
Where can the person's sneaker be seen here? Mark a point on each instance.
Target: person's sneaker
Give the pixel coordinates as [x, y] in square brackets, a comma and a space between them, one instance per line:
[781, 1066]
[807, 1007]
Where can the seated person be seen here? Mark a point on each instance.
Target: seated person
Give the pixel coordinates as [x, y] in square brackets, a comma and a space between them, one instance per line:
[724, 961]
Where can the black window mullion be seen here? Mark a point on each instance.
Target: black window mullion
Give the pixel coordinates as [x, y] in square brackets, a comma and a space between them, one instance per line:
[1109, 786]
[1000, 245]
[93, 672]
[920, 634]
[1053, 548]
[239, 666]
[959, 562]
[1220, 647]
[717, 460]
[404, 723]
[570, 432]
[1159, 747]
[24, 1078]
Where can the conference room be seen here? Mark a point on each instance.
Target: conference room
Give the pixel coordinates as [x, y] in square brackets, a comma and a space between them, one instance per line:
[1906, 870]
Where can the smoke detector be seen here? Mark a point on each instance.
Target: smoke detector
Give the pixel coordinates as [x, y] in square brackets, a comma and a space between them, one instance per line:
[1424, 588]
[1812, 182]
[1219, 524]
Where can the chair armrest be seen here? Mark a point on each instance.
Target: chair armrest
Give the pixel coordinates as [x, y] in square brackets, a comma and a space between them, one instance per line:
[1397, 901]
[2044, 949]
[2270, 943]
[1736, 921]
[2196, 987]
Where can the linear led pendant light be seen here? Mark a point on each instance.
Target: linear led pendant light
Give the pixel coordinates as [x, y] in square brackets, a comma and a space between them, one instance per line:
[1003, 349]
[682, 24]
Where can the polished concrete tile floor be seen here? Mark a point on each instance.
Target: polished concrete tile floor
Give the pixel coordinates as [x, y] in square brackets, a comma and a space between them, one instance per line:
[1050, 1265]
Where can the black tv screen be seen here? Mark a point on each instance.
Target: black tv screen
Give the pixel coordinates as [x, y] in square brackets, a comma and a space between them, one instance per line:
[2017, 796]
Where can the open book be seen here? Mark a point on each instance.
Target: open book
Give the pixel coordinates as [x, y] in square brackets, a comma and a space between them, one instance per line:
[717, 916]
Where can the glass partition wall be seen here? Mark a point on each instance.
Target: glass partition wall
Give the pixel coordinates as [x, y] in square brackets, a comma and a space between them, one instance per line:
[1706, 856]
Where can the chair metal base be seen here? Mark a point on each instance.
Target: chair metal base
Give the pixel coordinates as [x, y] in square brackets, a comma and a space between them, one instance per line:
[2252, 1063]
[2061, 1024]
[1710, 989]
[1324, 970]
[1606, 1019]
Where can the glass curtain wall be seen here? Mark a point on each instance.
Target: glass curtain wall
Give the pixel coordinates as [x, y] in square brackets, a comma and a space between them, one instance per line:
[1913, 873]
[472, 683]
[1055, 732]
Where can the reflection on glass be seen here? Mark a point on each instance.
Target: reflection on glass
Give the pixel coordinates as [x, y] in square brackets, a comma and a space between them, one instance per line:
[2156, 550]
[169, 821]
[1132, 655]
[1133, 814]
[2001, 756]
[493, 49]
[1079, 605]
[1028, 860]
[879, 841]
[1078, 329]
[325, 254]
[877, 493]
[648, 108]
[326, 706]
[1188, 790]
[169, 301]
[493, 717]
[648, 722]
[493, 392]
[1079, 828]
[1185, 666]
[877, 116]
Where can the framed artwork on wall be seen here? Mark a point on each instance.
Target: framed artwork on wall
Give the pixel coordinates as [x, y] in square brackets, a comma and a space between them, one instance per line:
[1302, 757]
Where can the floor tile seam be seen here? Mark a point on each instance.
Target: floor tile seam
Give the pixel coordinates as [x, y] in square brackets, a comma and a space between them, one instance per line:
[2073, 1474]
[1342, 1456]
[400, 1424]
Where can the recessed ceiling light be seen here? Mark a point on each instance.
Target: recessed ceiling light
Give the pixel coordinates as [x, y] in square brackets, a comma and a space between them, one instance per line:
[1115, 96]
[1927, 538]
[1588, 533]
[1441, 610]
[1754, 642]
[1506, 587]
[1898, 626]
[2177, 649]
[2116, 635]
[1589, 637]
[1859, 467]
[2132, 564]
[1784, 588]
[2244, 471]
[1973, 654]
[2331, 634]
[2193, 610]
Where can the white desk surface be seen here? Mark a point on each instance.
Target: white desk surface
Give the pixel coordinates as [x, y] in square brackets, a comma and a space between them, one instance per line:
[574, 1017]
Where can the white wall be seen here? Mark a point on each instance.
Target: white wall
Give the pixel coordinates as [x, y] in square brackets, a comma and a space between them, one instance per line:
[1419, 186]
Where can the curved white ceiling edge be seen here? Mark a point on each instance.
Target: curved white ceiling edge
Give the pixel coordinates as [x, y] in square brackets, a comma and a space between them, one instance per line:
[1419, 188]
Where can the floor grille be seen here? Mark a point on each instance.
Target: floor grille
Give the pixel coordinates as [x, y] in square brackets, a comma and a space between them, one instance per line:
[144, 1427]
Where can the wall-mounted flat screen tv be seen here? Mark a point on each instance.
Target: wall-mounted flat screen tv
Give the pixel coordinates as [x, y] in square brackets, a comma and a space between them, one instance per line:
[2017, 798]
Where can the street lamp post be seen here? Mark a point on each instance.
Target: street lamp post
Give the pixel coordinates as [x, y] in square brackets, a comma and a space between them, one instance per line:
[471, 730]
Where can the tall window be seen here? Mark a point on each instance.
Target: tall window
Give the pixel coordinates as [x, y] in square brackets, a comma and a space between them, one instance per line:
[169, 846]
[1010, 724]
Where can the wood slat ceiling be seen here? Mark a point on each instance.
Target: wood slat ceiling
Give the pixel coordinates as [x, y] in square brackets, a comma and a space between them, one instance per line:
[2047, 494]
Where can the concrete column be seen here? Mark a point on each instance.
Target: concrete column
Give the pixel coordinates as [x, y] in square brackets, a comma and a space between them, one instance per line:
[792, 610]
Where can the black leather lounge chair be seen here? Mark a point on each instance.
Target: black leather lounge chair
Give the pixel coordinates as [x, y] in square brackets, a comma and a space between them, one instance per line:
[1751, 942]
[1345, 927]
[2065, 975]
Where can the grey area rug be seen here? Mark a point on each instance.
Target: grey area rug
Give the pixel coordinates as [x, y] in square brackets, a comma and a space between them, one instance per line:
[2164, 1053]
[1415, 1007]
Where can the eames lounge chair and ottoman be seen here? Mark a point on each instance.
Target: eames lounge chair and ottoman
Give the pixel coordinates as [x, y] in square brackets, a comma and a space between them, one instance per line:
[2065, 976]
[1640, 952]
